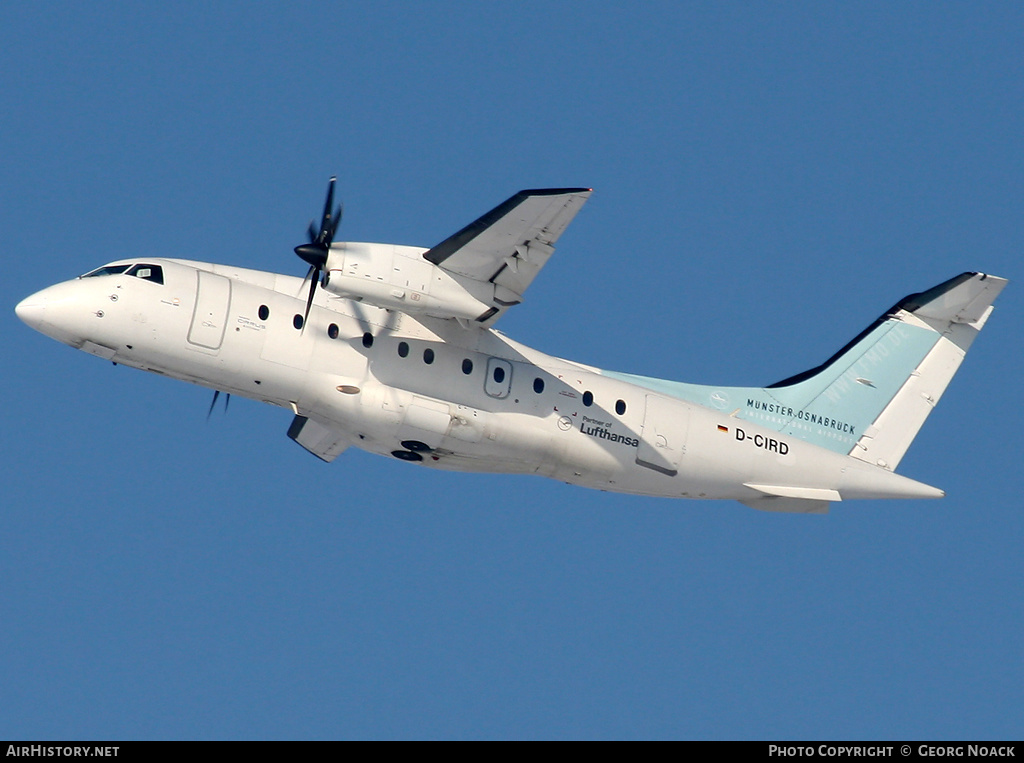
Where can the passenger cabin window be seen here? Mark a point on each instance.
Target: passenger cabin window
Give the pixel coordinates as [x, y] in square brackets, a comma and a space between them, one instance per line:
[367, 340]
[332, 331]
[428, 356]
[467, 366]
[620, 407]
[588, 398]
[403, 349]
[107, 270]
[153, 273]
[264, 312]
[538, 385]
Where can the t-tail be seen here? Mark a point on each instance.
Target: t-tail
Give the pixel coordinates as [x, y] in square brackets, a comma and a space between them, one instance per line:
[871, 398]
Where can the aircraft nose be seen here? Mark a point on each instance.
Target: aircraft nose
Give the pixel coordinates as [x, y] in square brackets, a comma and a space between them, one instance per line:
[56, 311]
[31, 310]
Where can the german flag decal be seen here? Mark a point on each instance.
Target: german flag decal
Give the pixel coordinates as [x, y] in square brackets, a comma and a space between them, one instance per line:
[722, 429]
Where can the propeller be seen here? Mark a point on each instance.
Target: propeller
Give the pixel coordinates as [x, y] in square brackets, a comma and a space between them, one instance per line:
[315, 252]
[216, 394]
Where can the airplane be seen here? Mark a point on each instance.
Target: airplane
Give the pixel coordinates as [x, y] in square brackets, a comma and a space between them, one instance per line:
[396, 353]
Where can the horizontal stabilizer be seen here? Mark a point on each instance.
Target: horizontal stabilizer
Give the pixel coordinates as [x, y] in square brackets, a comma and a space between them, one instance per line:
[326, 444]
[806, 493]
[787, 505]
[792, 500]
[964, 299]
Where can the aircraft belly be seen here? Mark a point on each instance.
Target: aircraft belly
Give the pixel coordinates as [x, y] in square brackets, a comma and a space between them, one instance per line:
[467, 426]
[718, 455]
[425, 421]
[564, 455]
[464, 438]
[718, 460]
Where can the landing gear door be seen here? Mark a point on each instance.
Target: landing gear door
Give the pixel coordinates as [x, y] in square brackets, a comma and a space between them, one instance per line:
[663, 440]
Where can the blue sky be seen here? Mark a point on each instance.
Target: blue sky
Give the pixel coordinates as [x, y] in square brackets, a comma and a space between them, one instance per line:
[768, 179]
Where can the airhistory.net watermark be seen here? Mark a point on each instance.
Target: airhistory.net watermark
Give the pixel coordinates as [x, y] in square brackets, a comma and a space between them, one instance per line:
[60, 751]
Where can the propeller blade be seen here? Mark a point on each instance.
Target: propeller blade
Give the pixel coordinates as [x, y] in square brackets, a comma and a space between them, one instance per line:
[337, 220]
[216, 394]
[312, 269]
[311, 272]
[319, 246]
[325, 222]
[213, 403]
[309, 300]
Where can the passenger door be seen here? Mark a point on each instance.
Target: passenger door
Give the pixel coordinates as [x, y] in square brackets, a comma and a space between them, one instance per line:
[210, 315]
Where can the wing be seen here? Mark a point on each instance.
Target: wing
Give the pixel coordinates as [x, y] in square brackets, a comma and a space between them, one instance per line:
[510, 244]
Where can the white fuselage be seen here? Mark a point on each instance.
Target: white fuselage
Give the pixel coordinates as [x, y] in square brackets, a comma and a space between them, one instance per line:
[469, 398]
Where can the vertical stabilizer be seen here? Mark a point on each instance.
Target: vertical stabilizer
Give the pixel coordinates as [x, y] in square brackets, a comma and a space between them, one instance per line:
[956, 314]
[870, 399]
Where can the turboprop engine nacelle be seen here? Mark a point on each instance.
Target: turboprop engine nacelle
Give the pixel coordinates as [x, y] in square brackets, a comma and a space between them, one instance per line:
[398, 278]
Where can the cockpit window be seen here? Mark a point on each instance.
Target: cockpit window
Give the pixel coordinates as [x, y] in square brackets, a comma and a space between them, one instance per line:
[106, 270]
[153, 273]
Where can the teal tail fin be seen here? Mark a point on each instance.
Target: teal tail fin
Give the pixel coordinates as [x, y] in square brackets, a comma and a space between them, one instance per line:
[871, 398]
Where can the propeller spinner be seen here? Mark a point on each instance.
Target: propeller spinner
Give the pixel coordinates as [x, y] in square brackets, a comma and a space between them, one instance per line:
[315, 252]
